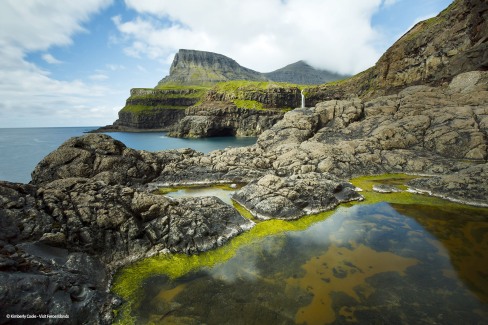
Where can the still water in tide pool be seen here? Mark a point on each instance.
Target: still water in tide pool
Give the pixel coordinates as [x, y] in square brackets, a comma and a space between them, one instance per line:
[371, 264]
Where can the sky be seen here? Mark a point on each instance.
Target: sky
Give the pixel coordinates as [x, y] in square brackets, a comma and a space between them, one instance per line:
[73, 63]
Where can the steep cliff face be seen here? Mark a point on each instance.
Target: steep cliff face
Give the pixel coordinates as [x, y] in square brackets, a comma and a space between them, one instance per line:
[266, 94]
[432, 53]
[156, 109]
[192, 67]
[238, 108]
[219, 118]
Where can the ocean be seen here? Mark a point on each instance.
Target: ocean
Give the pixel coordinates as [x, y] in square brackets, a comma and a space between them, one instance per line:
[21, 149]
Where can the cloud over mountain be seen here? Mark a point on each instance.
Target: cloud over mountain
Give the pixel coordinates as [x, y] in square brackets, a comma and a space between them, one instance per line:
[263, 35]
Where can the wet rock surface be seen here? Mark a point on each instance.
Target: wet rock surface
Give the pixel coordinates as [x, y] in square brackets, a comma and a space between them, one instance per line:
[468, 186]
[60, 243]
[294, 196]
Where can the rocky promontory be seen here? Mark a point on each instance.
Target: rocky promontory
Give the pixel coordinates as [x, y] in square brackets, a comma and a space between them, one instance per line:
[208, 80]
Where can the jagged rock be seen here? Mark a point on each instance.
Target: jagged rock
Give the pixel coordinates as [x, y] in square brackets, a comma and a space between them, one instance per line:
[68, 235]
[294, 196]
[419, 130]
[103, 158]
[232, 165]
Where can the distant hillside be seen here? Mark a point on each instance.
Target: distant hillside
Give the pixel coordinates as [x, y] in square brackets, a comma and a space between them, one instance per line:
[199, 68]
[302, 73]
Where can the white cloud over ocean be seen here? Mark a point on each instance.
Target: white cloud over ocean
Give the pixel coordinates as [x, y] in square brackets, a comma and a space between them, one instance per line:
[29, 93]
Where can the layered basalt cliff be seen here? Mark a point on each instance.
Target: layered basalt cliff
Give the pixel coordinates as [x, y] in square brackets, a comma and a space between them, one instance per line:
[150, 109]
[238, 108]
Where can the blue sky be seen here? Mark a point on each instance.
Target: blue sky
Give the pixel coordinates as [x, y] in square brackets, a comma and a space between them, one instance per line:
[73, 63]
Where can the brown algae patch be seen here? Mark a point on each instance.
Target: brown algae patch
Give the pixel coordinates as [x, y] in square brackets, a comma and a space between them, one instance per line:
[341, 269]
[461, 234]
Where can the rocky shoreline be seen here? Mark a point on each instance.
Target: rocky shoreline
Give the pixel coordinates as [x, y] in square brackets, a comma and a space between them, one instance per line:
[89, 208]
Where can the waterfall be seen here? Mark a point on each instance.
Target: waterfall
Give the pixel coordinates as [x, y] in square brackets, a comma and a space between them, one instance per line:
[303, 99]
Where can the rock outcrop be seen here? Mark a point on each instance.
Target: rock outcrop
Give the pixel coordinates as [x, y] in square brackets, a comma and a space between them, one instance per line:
[421, 129]
[237, 108]
[64, 235]
[294, 196]
[102, 158]
[432, 53]
[224, 119]
[467, 186]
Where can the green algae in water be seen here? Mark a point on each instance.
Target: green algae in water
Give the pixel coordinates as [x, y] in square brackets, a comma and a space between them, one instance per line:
[128, 281]
[417, 259]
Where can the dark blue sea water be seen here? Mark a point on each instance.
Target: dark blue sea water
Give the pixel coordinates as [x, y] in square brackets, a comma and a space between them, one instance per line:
[22, 148]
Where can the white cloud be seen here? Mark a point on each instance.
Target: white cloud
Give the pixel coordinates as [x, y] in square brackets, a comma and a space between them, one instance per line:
[115, 67]
[39, 24]
[262, 35]
[30, 96]
[99, 77]
[50, 59]
[388, 3]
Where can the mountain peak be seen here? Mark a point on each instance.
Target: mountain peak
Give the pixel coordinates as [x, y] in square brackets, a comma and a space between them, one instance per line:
[303, 73]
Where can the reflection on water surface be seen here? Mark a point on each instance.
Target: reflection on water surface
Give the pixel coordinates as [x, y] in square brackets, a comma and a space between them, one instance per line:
[366, 263]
